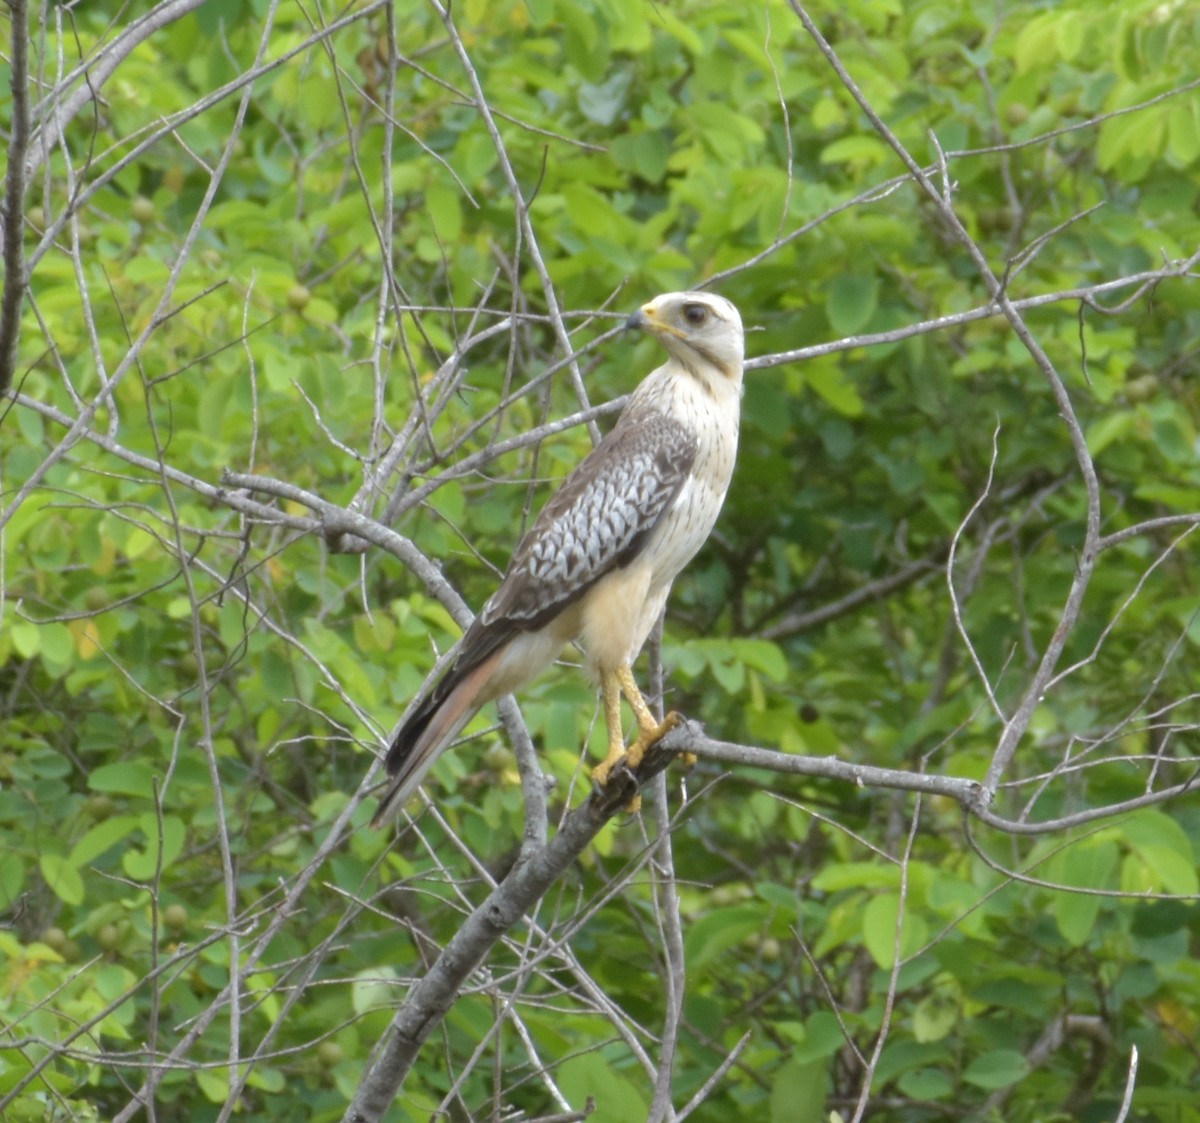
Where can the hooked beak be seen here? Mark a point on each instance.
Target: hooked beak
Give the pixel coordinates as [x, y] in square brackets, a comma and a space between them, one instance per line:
[647, 319]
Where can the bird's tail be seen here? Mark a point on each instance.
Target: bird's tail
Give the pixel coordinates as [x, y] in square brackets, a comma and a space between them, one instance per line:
[428, 730]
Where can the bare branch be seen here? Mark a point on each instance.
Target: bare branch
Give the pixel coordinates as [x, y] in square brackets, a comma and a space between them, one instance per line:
[56, 111]
[1130, 1084]
[521, 204]
[797, 622]
[1016, 725]
[12, 234]
[526, 883]
[1143, 282]
[689, 738]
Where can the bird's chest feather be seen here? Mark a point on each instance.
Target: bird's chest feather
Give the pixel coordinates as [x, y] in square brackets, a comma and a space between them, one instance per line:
[688, 523]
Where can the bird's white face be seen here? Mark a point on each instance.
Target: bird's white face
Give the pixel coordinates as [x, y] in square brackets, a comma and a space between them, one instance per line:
[696, 326]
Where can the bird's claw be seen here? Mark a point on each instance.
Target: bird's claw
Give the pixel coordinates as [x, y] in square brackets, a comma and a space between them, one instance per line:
[602, 773]
[632, 757]
[647, 738]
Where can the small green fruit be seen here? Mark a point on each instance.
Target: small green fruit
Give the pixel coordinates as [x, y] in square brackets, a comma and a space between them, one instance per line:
[770, 949]
[499, 758]
[298, 297]
[96, 597]
[330, 1053]
[99, 806]
[142, 209]
[1141, 389]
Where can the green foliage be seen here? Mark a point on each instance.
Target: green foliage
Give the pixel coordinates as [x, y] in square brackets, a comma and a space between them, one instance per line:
[191, 685]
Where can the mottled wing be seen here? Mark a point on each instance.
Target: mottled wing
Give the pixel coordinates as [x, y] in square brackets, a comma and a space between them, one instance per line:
[599, 519]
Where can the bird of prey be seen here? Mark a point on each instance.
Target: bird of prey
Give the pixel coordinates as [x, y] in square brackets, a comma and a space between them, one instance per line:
[598, 562]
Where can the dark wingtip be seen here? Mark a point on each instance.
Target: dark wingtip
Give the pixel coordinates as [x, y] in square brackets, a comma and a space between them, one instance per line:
[399, 754]
[385, 811]
[407, 735]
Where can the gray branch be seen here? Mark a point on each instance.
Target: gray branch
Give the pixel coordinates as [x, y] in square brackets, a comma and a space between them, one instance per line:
[89, 77]
[528, 881]
[12, 238]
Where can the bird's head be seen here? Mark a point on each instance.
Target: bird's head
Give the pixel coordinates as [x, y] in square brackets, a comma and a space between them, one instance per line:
[701, 330]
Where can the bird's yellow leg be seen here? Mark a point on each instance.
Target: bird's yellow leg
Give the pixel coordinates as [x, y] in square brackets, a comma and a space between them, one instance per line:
[650, 729]
[611, 687]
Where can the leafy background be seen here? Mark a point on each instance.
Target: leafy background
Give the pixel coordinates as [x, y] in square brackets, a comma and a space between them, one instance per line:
[256, 252]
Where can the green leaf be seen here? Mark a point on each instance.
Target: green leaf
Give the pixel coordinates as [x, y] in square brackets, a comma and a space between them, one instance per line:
[142, 865]
[720, 930]
[445, 210]
[1183, 132]
[1075, 914]
[763, 656]
[996, 1069]
[12, 881]
[880, 918]
[268, 1079]
[1111, 427]
[374, 988]
[1037, 43]
[602, 102]
[1164, 850]
[644, 153]
[1070, 30]
[214, 1084]
[902, 1055]
[926, 1084]
[779, 897]
[126, 777]
[101, 837]
[934, 1017]
[831, 383]
[62, 878]
[856, 875]
[823, 1036]
[856, 149]
[590, 1076]
[850, 302]
[26, 638]
[798, 1092]
[1087, 865]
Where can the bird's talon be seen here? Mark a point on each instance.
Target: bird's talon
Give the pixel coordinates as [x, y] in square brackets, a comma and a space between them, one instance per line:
[632, 757]
[650, 737]
[602, 773]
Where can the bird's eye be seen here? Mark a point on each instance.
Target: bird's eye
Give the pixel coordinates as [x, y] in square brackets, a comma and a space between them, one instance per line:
[695, 314]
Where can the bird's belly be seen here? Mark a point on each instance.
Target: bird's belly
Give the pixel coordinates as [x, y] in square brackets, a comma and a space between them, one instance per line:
[613, 626]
